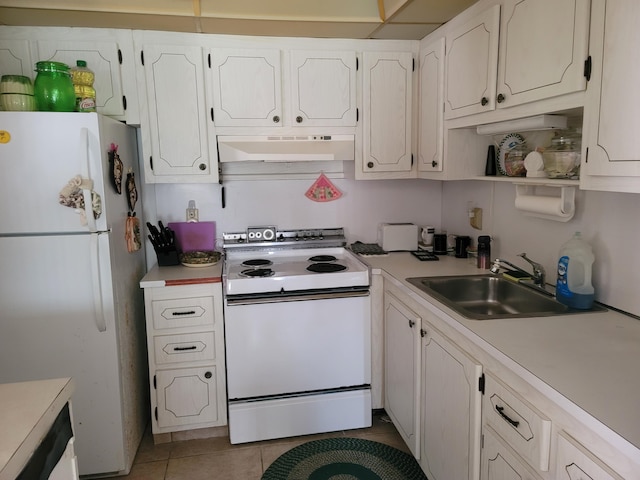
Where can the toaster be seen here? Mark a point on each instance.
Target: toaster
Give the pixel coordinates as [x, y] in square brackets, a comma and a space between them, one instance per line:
[393, 237]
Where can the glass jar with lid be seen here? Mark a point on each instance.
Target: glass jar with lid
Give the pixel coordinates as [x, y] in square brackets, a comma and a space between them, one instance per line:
[562, 157]
[53, 88]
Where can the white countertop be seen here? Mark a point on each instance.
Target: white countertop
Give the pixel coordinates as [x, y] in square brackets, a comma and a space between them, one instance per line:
[27, 411]
[181, 275]
[591, 359]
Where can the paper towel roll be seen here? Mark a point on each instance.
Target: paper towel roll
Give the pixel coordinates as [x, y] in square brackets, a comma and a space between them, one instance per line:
[541, 204]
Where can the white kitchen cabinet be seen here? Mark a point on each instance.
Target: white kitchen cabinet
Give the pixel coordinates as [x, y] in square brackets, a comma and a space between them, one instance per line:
[451, 407]
[185, 338]
[611, 153]
[506, 56]
[323, 88]
[472, 56]
[500, 462]
[178, 141]
[431, 106]
[108, 52]
[575, 462]
[387, 116]
[15, 57]
[247, 87]
[402, 370]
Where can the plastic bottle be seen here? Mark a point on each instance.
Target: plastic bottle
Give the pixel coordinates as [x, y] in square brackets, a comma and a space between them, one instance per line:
[573, 286]
[83, 79]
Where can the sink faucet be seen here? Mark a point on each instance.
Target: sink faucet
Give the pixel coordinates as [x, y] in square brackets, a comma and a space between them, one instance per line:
[538, 270]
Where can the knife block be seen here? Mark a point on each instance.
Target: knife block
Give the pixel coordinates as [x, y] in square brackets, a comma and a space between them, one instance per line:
[167, 258]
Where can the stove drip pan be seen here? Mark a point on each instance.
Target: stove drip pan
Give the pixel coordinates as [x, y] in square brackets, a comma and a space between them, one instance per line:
[326, 267]
[323, 258]
[257, 262]
[257, 272]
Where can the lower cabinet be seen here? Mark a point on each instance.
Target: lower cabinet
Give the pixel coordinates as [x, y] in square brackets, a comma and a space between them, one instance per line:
[500, 462]
[185, 336]
[402, 370]
[575, 462]
[451, 407]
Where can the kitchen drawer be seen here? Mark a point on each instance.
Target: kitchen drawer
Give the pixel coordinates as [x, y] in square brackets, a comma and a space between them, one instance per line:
[523, 427]
[499, 461]
[182, 312]
[189, 347]
[574, 462]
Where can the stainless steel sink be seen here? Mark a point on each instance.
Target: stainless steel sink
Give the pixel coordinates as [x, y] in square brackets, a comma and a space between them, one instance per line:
[484, 297]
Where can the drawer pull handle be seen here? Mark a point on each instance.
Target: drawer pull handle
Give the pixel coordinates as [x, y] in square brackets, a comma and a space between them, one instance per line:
[188, 312]
[182, 349]
[500, 410]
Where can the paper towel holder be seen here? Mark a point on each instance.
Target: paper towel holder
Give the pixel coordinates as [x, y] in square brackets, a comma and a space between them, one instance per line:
[565, 203]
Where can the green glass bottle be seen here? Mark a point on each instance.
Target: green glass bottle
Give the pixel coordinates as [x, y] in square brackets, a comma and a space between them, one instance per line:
[53, 88]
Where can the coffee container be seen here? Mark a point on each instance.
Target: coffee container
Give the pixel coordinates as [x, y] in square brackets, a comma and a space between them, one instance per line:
[484, 252]
[462, 243]
[440, 244]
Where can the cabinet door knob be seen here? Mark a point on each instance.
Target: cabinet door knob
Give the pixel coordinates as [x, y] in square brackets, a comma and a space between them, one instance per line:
[501, 98]
[370, 164]
[423, 332]
[484, 101]
[202, 166]
[434, 164]
[276, 119]
[412, 323]
[299, 119]
[208, 375]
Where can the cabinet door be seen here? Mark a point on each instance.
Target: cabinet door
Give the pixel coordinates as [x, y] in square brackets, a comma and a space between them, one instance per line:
[180, 142]
[472, 57]
[323, 88]
[534, 64]
[15, 58]
[450, 432]
[247, 87]
[387, 112]
[431, 136]
[102, 58]
[186, 396]
[574, 462]
[402, 370]
[611, 114]
[499, 462]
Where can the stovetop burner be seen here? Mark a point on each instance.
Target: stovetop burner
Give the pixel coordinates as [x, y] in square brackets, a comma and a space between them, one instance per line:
[323, 258]
[257, 272]
[326, 267]
[257, 262]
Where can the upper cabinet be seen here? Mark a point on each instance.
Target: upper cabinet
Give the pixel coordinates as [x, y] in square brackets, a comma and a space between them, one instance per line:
[109, 53]
[247, 87]
[472, 56]
[177, 139]
[251, 88]
[323, 88]
[387, 115]
[503, 59]
[431, 108]
[611, 155]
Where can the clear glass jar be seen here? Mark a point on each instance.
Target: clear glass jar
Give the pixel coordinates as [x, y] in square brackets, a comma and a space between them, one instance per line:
[53, 88]
[562, 157]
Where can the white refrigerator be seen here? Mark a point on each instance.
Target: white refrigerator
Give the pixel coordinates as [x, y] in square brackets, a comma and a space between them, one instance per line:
[70, 302]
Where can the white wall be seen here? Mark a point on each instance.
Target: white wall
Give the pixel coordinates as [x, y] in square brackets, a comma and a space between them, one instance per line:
[363, 205]
[608, 221]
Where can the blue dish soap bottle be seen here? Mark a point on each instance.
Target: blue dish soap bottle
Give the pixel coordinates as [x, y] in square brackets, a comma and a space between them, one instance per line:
[573, 286]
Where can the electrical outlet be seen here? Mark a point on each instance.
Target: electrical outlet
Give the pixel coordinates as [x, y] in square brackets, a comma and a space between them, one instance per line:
[475, 218]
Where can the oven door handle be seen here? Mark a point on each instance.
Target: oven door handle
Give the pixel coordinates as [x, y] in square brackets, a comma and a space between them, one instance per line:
[284, 297]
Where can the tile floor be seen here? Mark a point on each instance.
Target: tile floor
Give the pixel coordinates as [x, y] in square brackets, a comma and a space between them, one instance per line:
[217, 459]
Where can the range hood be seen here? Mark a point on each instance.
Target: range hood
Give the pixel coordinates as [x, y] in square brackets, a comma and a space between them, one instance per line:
[285, 148]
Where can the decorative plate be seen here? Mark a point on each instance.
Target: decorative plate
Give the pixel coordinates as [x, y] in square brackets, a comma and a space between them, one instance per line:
[509, 142]
[206, 258]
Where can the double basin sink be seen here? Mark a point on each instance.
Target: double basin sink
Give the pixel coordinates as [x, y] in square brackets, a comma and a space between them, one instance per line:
[485, 297]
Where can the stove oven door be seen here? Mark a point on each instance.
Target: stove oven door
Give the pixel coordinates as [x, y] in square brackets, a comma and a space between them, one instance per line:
[289, 347]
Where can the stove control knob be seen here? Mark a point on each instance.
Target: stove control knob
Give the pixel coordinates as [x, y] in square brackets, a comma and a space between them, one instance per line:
[281, 238]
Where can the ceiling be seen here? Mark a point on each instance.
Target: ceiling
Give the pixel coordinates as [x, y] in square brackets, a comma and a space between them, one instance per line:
[383, 19]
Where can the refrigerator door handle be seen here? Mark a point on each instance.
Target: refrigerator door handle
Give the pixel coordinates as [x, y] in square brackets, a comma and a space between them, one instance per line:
[86, 173]
[96, 284]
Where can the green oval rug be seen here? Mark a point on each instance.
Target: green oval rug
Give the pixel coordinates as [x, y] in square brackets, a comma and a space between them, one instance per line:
[344, 459]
